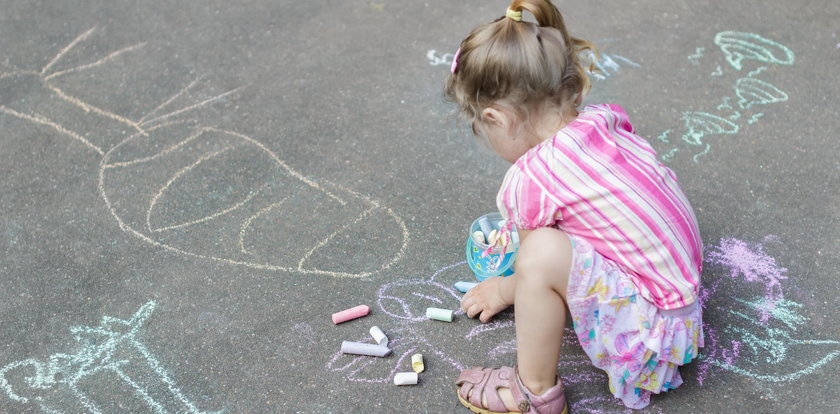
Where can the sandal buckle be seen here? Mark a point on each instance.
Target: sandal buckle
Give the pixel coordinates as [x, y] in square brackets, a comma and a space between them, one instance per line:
[524, 406]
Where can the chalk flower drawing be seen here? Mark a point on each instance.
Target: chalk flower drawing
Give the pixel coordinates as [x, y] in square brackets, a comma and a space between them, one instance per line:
[109, 350]
[203, 191]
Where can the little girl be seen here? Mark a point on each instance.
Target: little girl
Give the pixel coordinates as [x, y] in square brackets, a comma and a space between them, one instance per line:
[606, 233]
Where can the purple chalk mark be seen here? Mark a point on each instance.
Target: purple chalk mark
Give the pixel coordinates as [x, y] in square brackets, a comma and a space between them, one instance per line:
[427, 297]
[404, 309]
[507, 347]
[753, 265]
[488, 327]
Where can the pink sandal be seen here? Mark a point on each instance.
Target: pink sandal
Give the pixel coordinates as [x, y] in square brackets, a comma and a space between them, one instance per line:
[474, 383]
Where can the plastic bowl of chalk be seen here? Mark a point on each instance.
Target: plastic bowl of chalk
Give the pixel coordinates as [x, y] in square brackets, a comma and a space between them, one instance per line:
[484, 231]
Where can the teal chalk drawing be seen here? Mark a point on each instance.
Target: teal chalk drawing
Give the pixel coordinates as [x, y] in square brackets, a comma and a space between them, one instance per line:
[771, 346]
[751, 91]
[766, 342]
[702, 124]
[756, 72]
[104, 352]
[782, 309]
[698, 53]
[740, 46]
[724, 105]
[664, 136]
[670, 154]
[436, 59]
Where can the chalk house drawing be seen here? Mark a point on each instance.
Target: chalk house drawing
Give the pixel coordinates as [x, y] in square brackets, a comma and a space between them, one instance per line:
[203, 191]
[759, 335]
[111, 352]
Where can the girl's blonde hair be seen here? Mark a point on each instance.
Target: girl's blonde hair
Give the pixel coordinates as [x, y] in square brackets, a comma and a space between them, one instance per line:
[526, 64]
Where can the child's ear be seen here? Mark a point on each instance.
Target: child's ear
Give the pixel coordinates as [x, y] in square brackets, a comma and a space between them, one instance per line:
[495, 116]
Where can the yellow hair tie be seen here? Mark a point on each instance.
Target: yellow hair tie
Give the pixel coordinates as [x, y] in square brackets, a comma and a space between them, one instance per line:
[514, 15]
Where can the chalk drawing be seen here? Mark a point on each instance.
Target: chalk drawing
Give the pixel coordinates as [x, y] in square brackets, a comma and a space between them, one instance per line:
[607, 65]
[757, 331]
[748, 90]
[698, 53]
[112, 349]
[760, 338]
[437, 60]
[752, 91]
[740, 46]
[196, 205]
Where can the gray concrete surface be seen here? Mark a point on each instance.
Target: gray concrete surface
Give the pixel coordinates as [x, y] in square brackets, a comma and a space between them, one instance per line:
[189, 190]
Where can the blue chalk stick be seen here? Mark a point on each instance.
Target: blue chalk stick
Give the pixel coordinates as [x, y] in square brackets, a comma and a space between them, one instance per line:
[463, 287]
[486, 228]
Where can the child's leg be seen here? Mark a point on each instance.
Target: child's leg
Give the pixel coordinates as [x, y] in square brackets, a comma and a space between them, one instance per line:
[542, 273]
[542, 266]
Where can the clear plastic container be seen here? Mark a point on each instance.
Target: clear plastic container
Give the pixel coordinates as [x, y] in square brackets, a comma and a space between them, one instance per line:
[494, 264]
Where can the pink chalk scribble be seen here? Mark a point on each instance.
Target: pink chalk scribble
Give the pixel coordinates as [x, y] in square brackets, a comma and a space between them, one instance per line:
[753, 265]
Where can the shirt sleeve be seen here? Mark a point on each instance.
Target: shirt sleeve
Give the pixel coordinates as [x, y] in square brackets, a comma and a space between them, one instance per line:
[525, 203]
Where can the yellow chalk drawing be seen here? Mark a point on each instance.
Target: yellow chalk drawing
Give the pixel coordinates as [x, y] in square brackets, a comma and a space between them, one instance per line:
[203, 191]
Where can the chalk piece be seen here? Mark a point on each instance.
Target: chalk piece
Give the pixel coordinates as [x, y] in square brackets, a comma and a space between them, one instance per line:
[406, 378]
[463, 287]
[485, 226]
[494, 235]
[439, 314]
[379, 336]
[417, 363]
[360, 348]
[352, 313]
[478, 237]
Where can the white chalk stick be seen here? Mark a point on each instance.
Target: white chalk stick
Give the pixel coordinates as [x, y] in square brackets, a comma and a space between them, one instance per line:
[360, 348]
[463, 287]
[478, 237]
[379, 336]
[485, 226]
[406, 378]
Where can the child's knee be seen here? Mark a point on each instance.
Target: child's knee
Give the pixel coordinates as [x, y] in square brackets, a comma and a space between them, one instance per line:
[546, 252]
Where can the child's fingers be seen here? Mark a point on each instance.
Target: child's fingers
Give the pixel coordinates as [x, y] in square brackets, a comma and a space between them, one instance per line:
[474, 310]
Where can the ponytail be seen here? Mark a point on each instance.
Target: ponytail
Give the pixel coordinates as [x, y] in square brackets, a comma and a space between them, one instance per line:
[525, 63]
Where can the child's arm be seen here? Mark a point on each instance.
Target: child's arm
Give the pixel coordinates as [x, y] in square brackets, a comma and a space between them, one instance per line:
[493, 295]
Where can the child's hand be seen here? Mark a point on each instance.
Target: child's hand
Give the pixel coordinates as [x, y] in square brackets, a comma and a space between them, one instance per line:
[489, 297]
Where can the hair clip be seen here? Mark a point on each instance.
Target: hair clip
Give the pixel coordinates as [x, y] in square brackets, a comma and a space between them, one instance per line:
[514, 15]
[454, 66]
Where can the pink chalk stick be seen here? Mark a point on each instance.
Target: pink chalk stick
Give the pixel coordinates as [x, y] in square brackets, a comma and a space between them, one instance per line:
[352, 313]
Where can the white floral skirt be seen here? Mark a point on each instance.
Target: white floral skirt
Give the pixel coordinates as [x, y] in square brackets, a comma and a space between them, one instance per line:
[639, 345]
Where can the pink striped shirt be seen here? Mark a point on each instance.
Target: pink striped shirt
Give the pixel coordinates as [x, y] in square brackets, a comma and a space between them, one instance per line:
[596, 179]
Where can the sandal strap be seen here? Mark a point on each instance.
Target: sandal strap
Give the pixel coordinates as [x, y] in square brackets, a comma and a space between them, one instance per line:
[551, 401]
[474, 383]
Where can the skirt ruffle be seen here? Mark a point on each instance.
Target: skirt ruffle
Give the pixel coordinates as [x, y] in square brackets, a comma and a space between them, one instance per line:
[639, 345]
